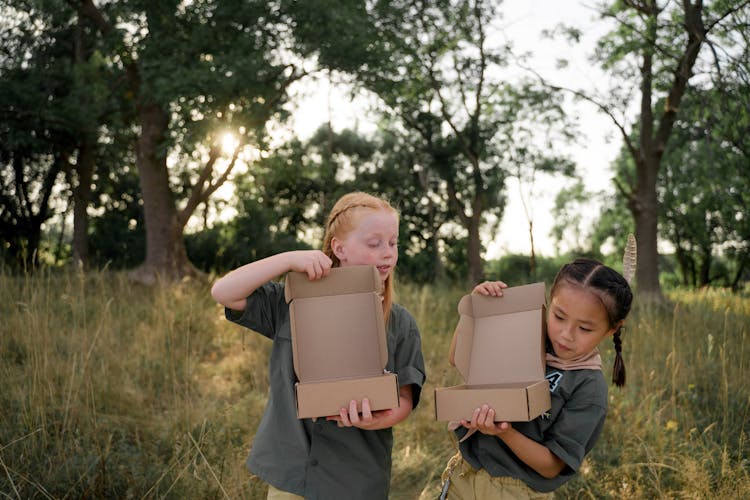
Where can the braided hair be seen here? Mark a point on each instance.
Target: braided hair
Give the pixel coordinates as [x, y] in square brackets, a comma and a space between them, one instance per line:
[344, 216]
[612, 290]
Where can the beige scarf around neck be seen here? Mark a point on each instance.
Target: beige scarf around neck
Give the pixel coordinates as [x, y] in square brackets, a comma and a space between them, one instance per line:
[590, 361]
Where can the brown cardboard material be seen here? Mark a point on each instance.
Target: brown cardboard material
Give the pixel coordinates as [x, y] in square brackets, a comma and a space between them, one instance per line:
[498, 348]
[339, 344]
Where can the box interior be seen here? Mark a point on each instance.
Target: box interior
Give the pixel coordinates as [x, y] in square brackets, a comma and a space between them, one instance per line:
[338, 331]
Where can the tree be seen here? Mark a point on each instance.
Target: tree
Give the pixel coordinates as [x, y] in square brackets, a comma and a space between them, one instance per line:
[568, 228]
[188, 66]
[39, 129]
[705, 185]
[437, 67]
[400, 174]
[653, 50]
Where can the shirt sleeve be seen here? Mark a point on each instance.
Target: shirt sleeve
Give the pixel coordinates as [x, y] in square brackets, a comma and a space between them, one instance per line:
[407, 356]
[577, 428]
[262, 310]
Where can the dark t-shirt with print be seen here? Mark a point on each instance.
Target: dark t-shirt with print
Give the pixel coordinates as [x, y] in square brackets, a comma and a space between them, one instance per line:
[570, 430]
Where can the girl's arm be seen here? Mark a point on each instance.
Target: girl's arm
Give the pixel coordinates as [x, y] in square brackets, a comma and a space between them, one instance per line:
[233, 289]
[535, 455]
[373, 420]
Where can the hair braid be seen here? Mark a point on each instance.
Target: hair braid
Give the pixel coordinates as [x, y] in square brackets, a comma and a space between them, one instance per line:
[618, 370]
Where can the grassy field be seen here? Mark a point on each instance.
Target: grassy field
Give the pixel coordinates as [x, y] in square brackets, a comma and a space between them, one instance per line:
[111, 390]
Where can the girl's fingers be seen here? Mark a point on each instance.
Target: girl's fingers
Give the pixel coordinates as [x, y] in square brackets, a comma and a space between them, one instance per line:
[475, 418]
[492, 288]
[311, 271]
[320, 266]
[482, 417]
[353, 414]
[366, 413]
[489, 421]
[344, 418]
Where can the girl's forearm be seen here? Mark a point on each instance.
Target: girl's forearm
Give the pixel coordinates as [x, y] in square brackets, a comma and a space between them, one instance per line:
[399, 414]
[535, 455]
[233, 289]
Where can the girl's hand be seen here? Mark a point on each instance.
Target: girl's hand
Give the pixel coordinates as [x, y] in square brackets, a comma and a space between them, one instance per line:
[483, 421]
[492, 288]
[313, 262]
[350, 417]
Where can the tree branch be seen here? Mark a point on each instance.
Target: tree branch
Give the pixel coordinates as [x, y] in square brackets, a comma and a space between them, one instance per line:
[696, 35]
[632, 149]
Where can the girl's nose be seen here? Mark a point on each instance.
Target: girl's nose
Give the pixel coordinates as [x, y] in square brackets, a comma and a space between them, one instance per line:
[567, 333]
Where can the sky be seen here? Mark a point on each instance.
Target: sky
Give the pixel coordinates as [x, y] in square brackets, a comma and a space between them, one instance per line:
[523, 22]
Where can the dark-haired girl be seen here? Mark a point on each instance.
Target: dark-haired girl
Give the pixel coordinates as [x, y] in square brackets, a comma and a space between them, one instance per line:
[588, 303]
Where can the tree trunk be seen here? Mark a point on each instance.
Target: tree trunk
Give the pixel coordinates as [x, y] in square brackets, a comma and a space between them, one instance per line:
[532, 257]
[645, 209]
[166, 256]
[740, 271]
[81, 198]
[474, 250]
[705, 267]
[80, 177]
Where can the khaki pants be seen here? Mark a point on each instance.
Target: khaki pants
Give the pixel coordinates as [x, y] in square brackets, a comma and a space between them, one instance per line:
[277, 494]
[462, 482]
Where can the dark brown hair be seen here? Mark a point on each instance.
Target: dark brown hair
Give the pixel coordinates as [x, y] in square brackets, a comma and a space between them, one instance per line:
[612, 290]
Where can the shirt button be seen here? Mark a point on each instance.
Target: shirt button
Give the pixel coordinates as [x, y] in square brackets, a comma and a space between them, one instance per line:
[314, 462]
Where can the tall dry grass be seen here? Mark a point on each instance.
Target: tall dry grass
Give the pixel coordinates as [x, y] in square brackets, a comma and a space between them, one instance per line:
[111, 390]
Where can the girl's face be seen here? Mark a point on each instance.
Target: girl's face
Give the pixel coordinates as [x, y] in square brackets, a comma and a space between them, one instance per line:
[576, 322]
[372, 241]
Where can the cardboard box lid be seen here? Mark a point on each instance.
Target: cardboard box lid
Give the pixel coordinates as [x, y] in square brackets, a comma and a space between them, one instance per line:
[501, 339]
[338, 330]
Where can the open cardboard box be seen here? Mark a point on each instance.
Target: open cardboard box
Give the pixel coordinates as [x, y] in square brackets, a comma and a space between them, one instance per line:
[339, 343]
[499, 350]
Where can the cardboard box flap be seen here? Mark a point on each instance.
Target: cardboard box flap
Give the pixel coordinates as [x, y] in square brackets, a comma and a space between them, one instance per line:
[498, 338]
[517, 298]
[340, 280]
[338, 331]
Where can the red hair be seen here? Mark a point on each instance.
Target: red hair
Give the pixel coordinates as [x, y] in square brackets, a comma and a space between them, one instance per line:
[344, 216]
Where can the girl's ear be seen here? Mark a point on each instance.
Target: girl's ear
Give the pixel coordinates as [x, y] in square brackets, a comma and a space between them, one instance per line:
[338, 248]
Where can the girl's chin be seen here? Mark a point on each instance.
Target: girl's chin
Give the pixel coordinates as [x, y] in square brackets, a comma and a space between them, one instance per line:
[384, 273]
[562, 353]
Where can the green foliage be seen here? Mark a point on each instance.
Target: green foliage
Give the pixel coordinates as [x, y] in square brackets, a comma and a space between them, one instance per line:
[515, 269]
[290, 192]
[118, 234]
[37, 131]
[246, 238]
[339, 33]
[440, 75]
[705, 186]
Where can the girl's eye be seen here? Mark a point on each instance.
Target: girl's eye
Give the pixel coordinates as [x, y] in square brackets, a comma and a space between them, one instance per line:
[557, 316]
[587, 330]
[373, 244]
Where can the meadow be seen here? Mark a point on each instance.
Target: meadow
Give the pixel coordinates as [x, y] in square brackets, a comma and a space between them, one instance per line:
[112, 390]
